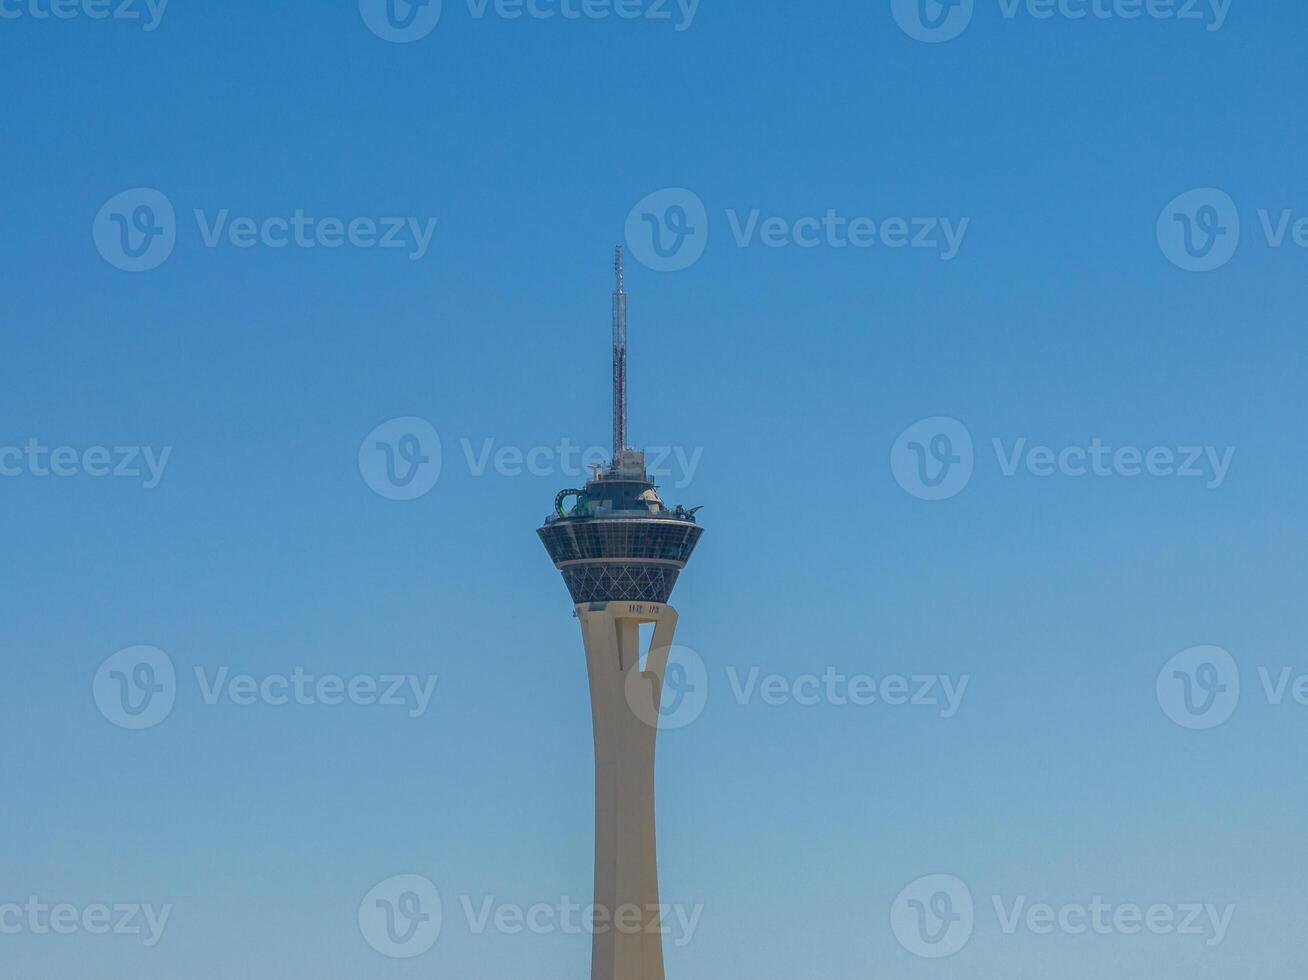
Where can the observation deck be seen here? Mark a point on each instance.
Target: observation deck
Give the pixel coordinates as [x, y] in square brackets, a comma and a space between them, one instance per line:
[615, 539]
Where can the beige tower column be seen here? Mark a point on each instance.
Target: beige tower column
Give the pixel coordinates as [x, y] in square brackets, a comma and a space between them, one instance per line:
[625, 700]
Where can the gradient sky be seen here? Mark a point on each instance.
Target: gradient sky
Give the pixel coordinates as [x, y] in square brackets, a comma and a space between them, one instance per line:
[792, 370]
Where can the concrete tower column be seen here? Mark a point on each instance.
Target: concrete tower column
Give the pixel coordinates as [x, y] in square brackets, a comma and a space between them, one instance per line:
[625, 699]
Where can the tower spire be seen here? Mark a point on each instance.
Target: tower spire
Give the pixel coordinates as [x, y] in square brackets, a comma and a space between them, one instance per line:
[619, 359]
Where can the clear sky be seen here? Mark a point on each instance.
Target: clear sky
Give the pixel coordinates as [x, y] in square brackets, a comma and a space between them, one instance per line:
[788, 339]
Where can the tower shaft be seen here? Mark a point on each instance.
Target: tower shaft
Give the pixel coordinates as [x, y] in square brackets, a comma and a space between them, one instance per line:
[619, 359]
[628, 944]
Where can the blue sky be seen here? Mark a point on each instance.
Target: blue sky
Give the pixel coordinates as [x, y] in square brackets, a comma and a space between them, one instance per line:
[512, 154]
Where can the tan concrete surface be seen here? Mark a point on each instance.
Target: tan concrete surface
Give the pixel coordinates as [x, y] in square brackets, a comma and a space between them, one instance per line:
[625, 699]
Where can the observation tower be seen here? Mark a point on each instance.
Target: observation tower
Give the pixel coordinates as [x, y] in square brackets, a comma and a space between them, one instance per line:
[620, 550]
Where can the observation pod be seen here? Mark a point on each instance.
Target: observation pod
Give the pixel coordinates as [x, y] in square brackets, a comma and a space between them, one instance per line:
[618, 541]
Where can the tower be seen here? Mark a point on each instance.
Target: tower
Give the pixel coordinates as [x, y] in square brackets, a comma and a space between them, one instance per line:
[620, 550]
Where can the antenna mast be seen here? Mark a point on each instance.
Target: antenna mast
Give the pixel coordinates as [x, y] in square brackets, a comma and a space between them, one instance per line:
[619, 360]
